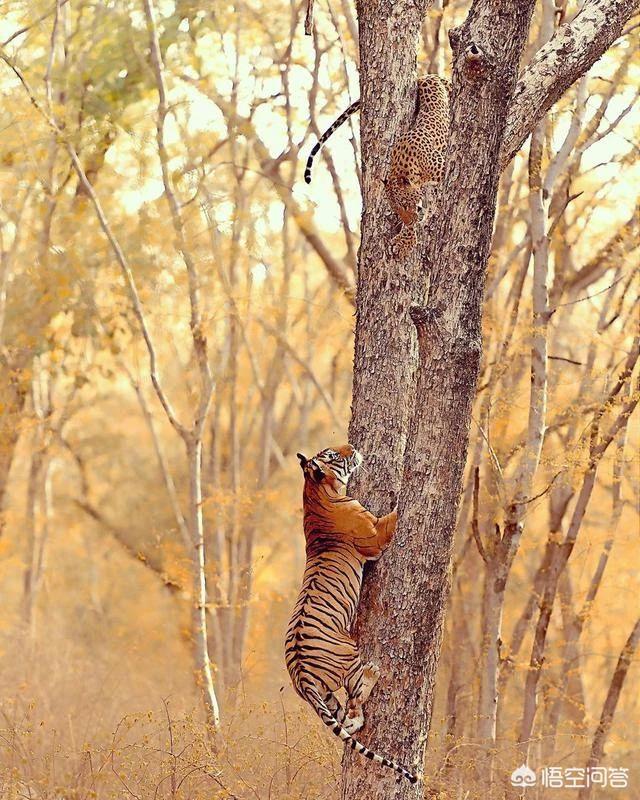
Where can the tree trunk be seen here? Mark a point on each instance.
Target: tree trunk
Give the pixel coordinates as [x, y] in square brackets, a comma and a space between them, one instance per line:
[530, 460]
[492, 608]
[13, 390]
[384, 361]
[611, 703]
[385, 347]
[204, 678]
[412, 582]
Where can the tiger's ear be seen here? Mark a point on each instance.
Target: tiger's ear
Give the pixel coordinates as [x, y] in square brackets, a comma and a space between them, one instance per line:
[318, 474]
[302, 459]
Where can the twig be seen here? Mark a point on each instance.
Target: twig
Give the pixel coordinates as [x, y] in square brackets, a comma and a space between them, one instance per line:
[568, 360]
[587, 297]
[542, 493]
[475, 529]
[308, 20]
[27, 28]
[494, 457]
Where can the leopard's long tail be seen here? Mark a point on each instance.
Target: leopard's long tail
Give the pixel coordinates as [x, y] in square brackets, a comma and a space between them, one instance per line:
[312, 696]
[334, 127]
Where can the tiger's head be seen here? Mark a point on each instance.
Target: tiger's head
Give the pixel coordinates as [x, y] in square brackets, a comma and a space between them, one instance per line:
[333, 466]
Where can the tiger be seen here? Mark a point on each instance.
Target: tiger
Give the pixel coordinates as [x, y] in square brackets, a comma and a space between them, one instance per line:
[321, 656]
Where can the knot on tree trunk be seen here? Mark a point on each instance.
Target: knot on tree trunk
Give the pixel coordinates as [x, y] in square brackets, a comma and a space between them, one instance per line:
[474, 58]
[424, 317]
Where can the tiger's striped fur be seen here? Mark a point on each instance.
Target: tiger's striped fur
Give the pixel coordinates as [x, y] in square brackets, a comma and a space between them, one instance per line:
[330, 130]
[341, 536]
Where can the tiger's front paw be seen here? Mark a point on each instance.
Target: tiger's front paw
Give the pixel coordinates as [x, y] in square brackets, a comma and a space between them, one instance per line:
[370, 676]
[371, 673]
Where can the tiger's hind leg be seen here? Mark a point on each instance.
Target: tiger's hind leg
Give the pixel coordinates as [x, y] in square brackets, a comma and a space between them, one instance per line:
[335, 709]
[358, 683]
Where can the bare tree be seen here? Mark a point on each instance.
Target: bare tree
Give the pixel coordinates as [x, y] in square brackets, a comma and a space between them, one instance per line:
[191, 435]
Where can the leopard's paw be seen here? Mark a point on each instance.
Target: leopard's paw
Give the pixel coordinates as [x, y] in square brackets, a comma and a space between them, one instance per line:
[403, 244]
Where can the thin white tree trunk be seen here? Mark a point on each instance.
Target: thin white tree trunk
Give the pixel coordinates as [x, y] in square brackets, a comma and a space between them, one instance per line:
[204, 677]
[505, 552]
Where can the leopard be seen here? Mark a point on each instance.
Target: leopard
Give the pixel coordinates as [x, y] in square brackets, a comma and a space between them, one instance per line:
[417, 158]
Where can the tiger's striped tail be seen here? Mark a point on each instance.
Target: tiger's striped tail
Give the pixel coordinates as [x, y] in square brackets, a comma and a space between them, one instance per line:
[334, 127]
[312, 696]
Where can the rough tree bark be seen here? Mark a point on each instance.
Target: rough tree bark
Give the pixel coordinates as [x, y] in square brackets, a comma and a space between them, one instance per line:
[412, 583]
[384, 364]
[409, 587]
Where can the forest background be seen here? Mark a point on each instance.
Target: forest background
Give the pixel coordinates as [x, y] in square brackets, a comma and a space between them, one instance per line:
[170, 287]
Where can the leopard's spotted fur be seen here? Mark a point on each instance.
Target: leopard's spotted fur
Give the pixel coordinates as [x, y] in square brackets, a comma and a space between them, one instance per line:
[417, 157]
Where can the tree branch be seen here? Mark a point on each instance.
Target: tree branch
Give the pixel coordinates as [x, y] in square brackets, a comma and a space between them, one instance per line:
[475, 527]
[120, 537]
[574, 48]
